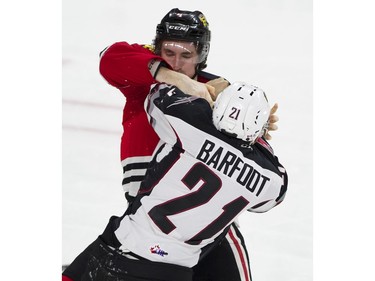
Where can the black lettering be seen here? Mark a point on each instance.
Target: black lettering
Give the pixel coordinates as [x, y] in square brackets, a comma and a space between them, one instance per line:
[229, 164]
[244, 168]
[204, 153]
[215, 157]
[235, 166]
[265, 179]
[227, 161]
[255, 175]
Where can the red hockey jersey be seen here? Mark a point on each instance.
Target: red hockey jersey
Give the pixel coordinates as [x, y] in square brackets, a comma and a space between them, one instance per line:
[125, 66]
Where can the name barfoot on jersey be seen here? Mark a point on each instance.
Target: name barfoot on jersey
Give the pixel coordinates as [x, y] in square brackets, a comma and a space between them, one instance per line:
[232, 166]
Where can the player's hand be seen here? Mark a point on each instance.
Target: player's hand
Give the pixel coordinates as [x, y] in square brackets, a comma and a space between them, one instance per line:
[198, 89]
[219, 84]
[204, 91]
[271, 122]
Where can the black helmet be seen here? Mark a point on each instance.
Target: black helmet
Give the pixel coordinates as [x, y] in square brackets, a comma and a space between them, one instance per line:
[185, 26]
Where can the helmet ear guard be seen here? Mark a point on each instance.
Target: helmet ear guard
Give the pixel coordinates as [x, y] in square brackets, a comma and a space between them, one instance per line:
[179, 25]
[241, 111]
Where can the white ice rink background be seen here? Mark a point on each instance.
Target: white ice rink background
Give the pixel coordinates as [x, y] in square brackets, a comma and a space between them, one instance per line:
[265, 42]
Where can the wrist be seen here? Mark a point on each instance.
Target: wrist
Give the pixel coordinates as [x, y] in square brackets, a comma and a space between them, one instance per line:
[154, 66]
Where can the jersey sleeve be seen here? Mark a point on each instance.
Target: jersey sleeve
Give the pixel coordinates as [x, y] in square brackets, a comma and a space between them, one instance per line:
[123, 65]
[156, 104]
[267, 153]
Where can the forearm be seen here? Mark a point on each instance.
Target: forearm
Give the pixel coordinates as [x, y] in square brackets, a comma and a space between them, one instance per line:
[184, 83]
[173, 78]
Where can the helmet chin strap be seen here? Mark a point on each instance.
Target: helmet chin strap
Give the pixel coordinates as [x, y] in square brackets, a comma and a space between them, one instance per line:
[195, 77]
[197, 68]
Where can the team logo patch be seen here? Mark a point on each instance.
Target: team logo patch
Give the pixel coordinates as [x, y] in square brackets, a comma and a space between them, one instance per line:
[157, 250]
[149, 47]
[203, 20]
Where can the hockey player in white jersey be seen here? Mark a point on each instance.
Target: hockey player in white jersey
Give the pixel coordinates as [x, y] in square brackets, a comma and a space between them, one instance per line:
[211, 165]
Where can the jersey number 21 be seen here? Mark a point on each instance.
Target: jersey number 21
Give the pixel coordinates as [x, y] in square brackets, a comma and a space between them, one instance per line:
[209, 188]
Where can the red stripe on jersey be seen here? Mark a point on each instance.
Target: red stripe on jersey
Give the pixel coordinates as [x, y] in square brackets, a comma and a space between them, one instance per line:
[66, 278]
[240, 253]
[265, 145]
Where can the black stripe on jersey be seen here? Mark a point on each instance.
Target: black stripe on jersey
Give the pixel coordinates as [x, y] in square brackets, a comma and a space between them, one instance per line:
[132, 179]
[131, 167]
[134, 166]
[283, 189]
[260, 204]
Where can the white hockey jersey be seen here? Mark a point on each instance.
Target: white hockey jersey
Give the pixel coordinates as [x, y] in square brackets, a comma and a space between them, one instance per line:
[198, 182]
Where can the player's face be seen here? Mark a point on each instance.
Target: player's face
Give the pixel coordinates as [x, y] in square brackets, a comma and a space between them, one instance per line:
[182, 56]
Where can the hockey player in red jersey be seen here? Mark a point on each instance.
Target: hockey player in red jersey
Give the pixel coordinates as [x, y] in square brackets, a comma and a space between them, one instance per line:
[177, 57]
[211, 165]
[132, 68]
